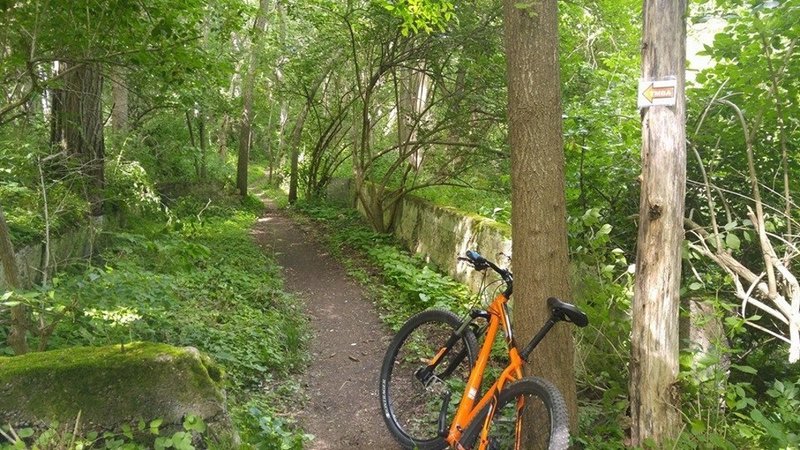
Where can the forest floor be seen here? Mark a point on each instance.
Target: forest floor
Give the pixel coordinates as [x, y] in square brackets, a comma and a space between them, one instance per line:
[342, 410]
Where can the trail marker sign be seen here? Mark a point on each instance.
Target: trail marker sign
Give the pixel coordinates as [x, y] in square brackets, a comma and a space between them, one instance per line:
[657, 93]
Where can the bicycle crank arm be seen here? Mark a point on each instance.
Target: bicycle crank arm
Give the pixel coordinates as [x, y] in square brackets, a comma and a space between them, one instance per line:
[443, 431]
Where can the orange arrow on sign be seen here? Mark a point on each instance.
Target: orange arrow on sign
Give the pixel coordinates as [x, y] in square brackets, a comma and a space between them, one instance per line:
[653, 92]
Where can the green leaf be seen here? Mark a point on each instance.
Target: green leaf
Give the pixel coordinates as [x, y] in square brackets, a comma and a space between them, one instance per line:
[154, 425]
[731, 241]
[162, 443]
[745, 369]
[127, 431]
[25, 433]
[194, 423]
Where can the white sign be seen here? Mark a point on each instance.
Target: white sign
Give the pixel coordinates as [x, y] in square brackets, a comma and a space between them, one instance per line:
[657, 93]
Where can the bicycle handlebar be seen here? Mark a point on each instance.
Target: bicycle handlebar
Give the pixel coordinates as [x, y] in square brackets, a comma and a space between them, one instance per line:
[481, 263]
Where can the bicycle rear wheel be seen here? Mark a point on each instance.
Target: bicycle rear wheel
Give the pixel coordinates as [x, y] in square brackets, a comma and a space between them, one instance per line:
[531, 410]
[411, 407]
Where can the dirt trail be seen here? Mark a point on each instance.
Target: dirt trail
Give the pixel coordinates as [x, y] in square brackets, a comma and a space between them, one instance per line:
[348, 340]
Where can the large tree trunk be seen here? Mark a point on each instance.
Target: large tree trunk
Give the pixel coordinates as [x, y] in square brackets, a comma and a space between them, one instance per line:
[538, 193]
[77, 126]
[654, 366]
[248, 86]
[17, 337]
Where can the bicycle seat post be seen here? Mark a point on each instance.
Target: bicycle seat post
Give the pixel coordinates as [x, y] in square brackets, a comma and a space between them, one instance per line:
[538, 338]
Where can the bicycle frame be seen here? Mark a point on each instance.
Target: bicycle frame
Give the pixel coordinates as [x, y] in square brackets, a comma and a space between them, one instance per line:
[468, 410]
[473, 416]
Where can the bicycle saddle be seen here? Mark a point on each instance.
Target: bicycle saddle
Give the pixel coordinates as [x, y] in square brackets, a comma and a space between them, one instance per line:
[567, 312]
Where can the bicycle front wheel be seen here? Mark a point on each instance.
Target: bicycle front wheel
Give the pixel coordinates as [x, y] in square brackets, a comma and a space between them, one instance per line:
[531, 412]
[411, 406]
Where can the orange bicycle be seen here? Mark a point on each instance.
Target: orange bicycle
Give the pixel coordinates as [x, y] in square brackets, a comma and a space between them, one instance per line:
[433, 357]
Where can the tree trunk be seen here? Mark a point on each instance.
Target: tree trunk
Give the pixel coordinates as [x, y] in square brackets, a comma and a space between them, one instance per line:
[654, 366]
[294, 144]
[77, 127]
[222, 136]
[277, 156]
[538, 188]
[202, 135]
[17, 337]
[119, 96]
[248, 86]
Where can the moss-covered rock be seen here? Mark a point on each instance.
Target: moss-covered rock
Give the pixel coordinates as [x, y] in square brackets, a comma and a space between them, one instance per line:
[111, 387]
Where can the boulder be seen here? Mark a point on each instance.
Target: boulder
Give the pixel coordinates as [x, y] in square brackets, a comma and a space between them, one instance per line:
[112, 386]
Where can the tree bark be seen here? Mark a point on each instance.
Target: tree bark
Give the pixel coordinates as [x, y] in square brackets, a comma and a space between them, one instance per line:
[248, 86]
[17, 337]
[294, 144]
[119, 96]
[77, 126]
[654, 365]
[538, 188]
[202, 135]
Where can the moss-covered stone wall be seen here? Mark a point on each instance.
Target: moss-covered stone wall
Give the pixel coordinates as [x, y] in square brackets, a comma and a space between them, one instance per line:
[69, 248]
[441, 234]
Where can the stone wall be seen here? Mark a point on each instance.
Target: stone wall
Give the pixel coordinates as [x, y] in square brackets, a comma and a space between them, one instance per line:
[440, 234]
[68, 248]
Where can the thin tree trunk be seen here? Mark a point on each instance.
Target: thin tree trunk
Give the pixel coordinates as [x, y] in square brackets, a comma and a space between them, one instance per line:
[222, 136]
[248, 87]
[539, 222]
[192, 142]
[283, 117]
[294, 144]
[202, 135]
[57, 114]
[17, 337]
[654, 397]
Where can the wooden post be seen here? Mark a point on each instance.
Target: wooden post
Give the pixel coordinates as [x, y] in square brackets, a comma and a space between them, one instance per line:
[654, 366]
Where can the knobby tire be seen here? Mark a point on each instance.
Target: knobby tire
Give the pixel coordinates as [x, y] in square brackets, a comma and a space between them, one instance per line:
[411, 410]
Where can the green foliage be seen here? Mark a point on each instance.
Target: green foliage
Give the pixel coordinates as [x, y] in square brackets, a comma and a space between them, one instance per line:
[200, 282]
[272, 432]
[161, 147]
[21, 189]
[67, 437]
[603, 288]
[420, 15]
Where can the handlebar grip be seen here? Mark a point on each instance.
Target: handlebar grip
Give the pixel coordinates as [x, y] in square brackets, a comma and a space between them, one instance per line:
[475, 257]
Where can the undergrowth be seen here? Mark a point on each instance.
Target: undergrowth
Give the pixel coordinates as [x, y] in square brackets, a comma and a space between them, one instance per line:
[403, 284]
[198, 280]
